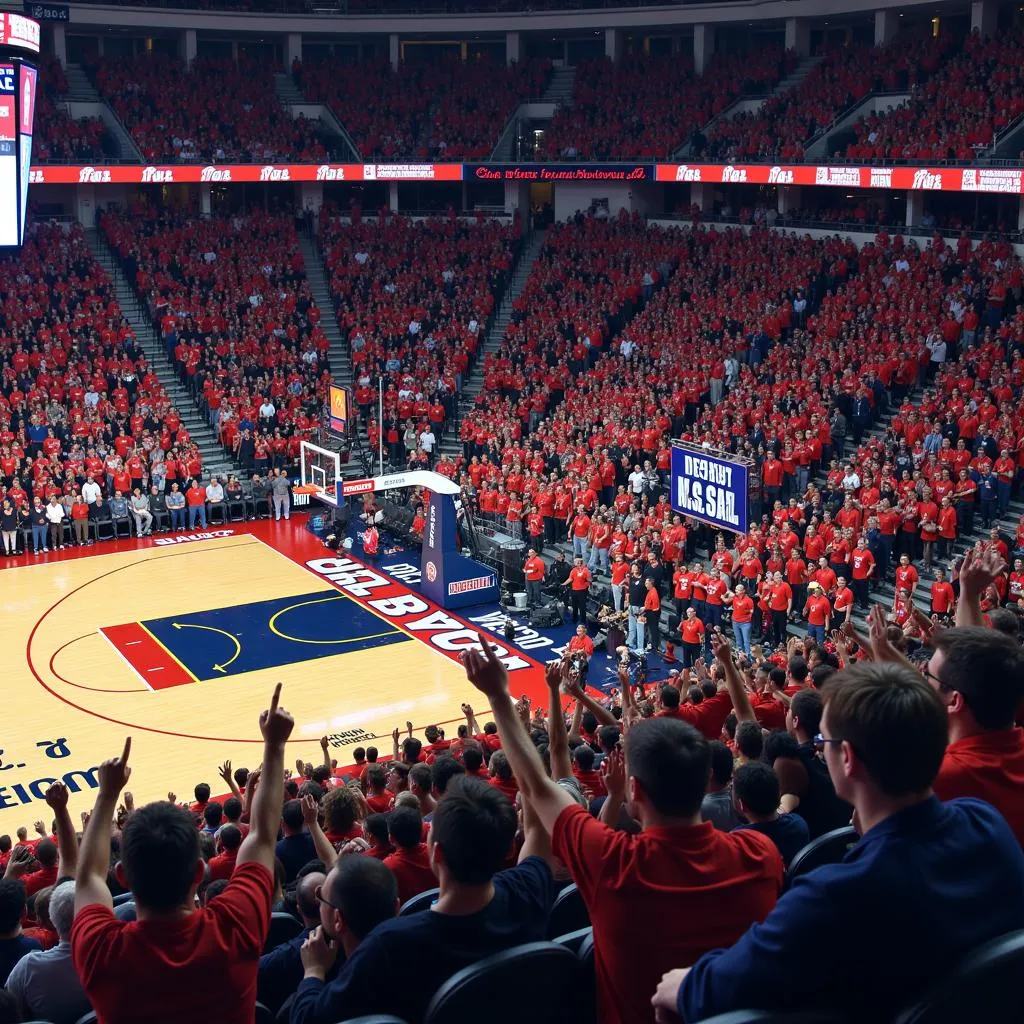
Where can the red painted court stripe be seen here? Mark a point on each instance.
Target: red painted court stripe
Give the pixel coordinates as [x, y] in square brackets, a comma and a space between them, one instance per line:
[155, 665]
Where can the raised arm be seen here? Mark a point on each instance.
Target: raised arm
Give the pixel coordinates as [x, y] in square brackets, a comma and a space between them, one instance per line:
[325, 746]
[977, 572]
[265, 817]
[734, 682]
[229, 780]
[490, 677]
[324, 849]
[558, 738]
[67, 841]
[94, 855]
[602, 714]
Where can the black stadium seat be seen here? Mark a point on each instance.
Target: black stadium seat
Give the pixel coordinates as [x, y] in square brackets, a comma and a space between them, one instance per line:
[574, 940]
[981, 987]
[550, 968]
[374, 1018]
[830, 848]
[283, 927]
[568, 914]
[421, 901]
[89, 1018]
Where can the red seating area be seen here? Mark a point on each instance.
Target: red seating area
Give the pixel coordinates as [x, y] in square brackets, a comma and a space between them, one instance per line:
[58, 138]
[783, 125]
[449, 110]
[215, 110]
[77, 395]
[233, 306]
[414, 300]
[646, 106]
[955, 114]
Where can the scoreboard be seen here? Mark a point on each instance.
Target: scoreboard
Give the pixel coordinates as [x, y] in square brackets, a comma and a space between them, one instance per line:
[19, 39]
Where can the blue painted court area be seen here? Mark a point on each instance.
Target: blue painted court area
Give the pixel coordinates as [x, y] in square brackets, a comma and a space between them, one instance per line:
[266, 634]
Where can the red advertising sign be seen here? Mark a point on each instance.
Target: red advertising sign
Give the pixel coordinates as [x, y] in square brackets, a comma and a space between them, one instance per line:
[943, 179]
[232, 173]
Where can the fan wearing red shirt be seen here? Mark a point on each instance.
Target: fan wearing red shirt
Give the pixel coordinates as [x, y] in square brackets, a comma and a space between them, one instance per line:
[843, 600]
[817, 612]
[863, 564]
[229, 841]
[942, 594]
[410, 863]
[173, 950]
[579, 585]
[979, 675]
[694, 887]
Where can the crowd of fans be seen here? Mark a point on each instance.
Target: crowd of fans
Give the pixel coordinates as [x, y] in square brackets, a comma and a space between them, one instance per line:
[954, 114]
[87, 431]
[231, 302]
[56, 136]
[217, 110]
[645, 106]
[414, 301]
[672, 832]
[445, 110]
[783, 125]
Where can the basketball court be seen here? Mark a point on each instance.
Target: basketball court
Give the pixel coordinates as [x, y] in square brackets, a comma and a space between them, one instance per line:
[177, 640]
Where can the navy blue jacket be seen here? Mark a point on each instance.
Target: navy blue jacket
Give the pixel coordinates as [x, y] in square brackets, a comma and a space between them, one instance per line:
[870, 935]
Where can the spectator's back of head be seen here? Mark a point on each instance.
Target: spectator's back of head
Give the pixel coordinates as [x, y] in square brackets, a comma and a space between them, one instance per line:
[160, 856]
[291, 815]
[213, 812]
[805, 712]
[749, 740]
[888, 723]
[12, 903]
[608, 737]
[798, 669]
[202, 792]
[306, 901]
[62, 909]
[405, 827]
[364, 893]
[721, 763]
[46, 853]
[668, 763]
[376, 777]
[982, 669]
[442, 771]
[471, 832]
[820, 675]
[1005, 620]
[669, 698]
[340, 810]
[233, 809]
[230, 837]
[756, 788]
[584, 757]
[472, 759]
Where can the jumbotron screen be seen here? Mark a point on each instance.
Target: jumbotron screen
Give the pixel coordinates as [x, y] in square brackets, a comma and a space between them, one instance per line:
[17, 111]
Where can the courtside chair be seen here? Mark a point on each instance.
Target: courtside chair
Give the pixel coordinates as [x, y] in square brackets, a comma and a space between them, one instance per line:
[568, 914]
[830, 848]
[420, 902]
[550, 968]
[982, 987]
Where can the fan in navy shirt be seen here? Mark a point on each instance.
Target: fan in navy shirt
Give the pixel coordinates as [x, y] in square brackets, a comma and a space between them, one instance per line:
[296, 849]
[479, 912]
[908, 900]
[755, 790]
[13, 945]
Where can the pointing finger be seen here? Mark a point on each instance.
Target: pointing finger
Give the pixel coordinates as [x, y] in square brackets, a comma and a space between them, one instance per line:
[127, 750]
[275, 698]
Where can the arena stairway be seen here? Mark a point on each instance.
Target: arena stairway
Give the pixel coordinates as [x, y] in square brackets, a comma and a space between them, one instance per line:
[474, 382]
[215, 459]
[83, 100]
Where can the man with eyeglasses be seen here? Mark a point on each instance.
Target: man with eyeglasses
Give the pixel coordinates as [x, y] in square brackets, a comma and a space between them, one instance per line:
[978, 674]
[926, 884]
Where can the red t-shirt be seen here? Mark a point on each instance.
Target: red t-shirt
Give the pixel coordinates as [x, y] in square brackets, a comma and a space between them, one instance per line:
[707, 717]
[742, 608]
[695, 889]
[411, 869]
[989, 766]
[161, 965]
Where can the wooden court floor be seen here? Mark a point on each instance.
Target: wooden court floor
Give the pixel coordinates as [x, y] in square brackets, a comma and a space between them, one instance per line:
[179, 645]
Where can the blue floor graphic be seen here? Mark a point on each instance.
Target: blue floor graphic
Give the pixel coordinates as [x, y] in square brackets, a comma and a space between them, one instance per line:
[267, 634]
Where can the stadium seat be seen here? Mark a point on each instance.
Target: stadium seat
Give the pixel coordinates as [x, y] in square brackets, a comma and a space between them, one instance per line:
[421, 902]
[89, 1018]
[374, 1018]
[283, 927]
[126, 911]
[574, 940]
[568, 913]
[124, 897]
[827, 849]
[550, 968]
[979, 988]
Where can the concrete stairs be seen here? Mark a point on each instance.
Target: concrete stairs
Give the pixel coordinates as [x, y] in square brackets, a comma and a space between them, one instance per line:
[85, 101]
[559, 90]
[474, 383]
[215, 460]
[749, 104]
[332, 131]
